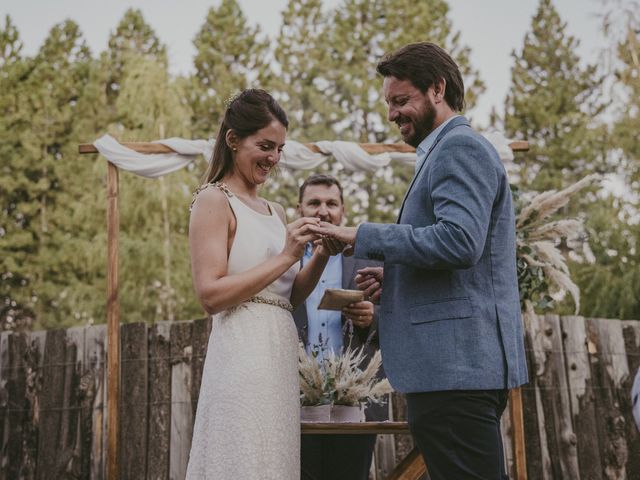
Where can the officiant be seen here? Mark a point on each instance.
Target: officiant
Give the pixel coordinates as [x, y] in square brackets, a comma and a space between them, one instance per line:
[335, 457]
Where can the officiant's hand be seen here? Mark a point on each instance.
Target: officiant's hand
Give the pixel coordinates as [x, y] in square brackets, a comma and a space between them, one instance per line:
[328, 246]
[360, 313]
[346, 235]
[369, 280]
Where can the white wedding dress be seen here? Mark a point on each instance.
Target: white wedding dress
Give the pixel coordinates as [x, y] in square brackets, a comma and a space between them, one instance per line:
[247, 423]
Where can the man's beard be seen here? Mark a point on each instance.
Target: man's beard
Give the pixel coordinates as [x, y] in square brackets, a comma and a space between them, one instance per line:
[422, 126]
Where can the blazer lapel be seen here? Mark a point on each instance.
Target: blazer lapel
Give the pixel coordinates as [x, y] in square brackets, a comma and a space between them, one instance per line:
[456, 122]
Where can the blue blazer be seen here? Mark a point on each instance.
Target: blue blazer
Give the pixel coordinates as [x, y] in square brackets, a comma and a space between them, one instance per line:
[450, 308]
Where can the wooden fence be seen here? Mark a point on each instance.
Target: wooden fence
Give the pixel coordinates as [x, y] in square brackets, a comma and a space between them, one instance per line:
[577, 408]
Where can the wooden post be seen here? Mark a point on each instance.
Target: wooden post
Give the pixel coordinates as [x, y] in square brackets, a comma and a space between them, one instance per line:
[113, 323]
[517, 427]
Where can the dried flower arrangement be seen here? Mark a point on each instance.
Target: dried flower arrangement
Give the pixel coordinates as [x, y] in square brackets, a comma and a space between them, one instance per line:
[543, 274]
[339, 380]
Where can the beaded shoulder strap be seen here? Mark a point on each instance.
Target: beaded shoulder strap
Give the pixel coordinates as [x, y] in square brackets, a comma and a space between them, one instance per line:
[219, 185]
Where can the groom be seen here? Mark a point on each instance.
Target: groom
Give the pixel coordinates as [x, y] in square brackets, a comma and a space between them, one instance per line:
[450, 328]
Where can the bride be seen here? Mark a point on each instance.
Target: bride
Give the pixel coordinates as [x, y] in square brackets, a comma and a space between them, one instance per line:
[245, 265]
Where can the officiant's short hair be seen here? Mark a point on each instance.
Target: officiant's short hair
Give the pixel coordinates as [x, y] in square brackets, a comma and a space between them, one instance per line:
[320, 179]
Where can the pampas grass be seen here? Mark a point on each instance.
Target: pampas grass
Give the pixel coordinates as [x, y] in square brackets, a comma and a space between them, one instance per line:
[339, 380]
[543, 273]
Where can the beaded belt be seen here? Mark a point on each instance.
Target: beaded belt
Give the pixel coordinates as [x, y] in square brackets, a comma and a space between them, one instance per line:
[272, 301]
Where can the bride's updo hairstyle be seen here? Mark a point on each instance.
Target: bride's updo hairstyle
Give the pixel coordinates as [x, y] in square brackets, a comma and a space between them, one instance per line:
[246, 113]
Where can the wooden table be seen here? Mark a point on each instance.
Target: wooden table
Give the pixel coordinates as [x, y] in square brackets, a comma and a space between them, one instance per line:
[412, 467]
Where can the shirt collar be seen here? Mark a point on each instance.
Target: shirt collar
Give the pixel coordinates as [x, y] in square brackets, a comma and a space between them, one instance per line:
[425, 145]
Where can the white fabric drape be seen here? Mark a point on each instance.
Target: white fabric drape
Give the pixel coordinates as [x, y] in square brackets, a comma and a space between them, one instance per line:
[295, 155]
[153, 165]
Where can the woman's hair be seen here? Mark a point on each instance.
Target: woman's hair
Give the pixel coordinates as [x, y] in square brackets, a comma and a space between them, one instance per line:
[247, 112]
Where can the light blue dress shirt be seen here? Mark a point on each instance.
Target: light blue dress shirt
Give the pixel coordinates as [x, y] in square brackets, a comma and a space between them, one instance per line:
[425, 145]
[324, 326]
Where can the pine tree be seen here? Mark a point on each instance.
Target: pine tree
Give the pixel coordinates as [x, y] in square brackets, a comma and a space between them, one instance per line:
[45, 97]
[230, 56]
[302, 56]
[627, 125]
[15, 244]
[10, 44]
[552, 104]
[611, 284]
[132, 37]
[155, 274]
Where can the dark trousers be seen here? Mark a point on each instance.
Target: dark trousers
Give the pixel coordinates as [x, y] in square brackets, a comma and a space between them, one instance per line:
[336, 457]
[458, 432]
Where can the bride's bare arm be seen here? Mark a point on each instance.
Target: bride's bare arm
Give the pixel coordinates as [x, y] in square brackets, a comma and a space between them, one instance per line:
[209, 228]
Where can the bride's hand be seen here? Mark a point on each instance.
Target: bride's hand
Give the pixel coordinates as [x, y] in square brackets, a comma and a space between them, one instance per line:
[299, 233]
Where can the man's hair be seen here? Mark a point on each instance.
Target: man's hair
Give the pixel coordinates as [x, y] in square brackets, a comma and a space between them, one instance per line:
[424, 64]
[319, 179]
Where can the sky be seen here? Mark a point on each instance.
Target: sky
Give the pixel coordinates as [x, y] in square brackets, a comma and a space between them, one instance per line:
[492, 28]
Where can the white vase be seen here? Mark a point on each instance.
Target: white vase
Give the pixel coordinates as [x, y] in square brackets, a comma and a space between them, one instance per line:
[347, 413]
[316, 413]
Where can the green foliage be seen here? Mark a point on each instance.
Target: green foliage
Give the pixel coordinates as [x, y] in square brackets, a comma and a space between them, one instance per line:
[132, 37]
[52, 221]
[552, 103]
[155, 271]
[40, 100]
[532, 283]
[610, 284]
[231, 56]
[10, 44]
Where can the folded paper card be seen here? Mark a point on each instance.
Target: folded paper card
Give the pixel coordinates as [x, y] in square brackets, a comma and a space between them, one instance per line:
[337, 298]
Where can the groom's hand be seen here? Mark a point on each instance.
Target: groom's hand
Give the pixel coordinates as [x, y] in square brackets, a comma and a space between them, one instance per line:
[369, 280]
[345, 235]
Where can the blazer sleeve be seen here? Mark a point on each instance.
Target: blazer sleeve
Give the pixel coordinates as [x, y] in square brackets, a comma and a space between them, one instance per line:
[463, 185]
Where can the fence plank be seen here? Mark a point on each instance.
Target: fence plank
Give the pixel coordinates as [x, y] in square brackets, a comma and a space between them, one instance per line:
[52, 400]
[51, 404]
[609, 368]
[159, 401]
[4, 404]
[69, 460]
[556, 403]
[631, 335]
[134, 382]
[181, 411]
[199, 342]
[581, 395]
[94, 379]
[537, 346]
[17, 404]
